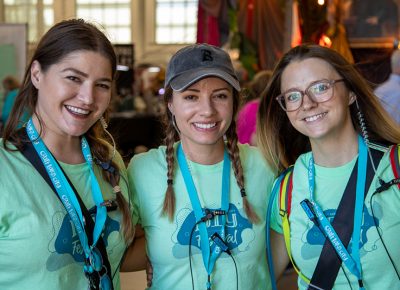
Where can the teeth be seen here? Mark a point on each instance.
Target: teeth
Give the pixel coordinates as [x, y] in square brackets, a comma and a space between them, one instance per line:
[77, 110]
[314, 118]
[205, 126]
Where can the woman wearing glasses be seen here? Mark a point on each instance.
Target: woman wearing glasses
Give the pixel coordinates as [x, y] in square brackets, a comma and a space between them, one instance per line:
[64, 222]
[338, 207]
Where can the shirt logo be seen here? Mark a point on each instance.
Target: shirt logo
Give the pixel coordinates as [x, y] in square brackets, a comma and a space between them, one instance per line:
[239, 233]
[66, 247]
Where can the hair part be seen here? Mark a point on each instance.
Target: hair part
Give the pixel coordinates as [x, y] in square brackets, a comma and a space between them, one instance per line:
[282, 144]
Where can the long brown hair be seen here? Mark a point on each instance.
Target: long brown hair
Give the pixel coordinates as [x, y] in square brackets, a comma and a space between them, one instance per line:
[281, 143]
[233, 150]
[61, 40]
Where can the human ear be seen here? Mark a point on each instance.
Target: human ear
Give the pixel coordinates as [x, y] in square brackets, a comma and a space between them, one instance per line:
[352, 98]
[35, 73]
[171, 108]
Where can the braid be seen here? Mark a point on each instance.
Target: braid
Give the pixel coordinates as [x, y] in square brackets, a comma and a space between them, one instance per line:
[101, 151]
[169, 201]
[233, 151]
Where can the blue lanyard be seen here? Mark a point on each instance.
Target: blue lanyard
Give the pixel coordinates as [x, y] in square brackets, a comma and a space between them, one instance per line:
[209, 261]
[69, 199]
[352, 261]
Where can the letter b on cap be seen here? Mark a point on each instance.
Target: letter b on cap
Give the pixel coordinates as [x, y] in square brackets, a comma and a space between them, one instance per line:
[207, 56]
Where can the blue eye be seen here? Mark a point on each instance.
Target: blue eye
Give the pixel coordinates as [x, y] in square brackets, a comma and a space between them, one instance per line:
[320, 88]
[292, 97]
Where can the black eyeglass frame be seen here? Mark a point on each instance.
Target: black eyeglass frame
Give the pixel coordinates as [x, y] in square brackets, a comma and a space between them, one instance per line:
[281, 98]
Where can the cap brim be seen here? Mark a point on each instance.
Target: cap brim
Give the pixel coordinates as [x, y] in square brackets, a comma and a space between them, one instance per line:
[186, 79]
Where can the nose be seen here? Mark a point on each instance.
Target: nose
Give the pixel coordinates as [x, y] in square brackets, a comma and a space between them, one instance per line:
[308, 102]
[86, 94]
[207, 107]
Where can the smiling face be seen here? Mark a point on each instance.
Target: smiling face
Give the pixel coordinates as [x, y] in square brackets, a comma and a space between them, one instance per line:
[203, 113]
[73, 93]
[318, 121]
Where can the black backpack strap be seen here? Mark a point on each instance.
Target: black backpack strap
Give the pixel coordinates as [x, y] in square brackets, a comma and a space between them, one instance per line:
[30, 153]
[329, 263]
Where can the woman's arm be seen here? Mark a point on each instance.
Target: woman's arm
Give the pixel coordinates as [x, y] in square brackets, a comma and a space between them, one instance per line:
[135, 257]
[280, 257]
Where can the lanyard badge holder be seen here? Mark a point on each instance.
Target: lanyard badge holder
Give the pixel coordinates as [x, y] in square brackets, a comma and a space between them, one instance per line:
[210, 253]
[93, 260]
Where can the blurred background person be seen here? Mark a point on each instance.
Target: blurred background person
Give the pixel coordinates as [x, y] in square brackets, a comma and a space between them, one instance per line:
[389, 91]
[247, 116]
[11, 87]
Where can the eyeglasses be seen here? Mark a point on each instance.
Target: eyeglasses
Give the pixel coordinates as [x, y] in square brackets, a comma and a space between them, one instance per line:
[318, 91]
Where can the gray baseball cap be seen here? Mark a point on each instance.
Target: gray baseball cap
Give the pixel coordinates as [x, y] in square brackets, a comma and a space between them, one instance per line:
[197, 61]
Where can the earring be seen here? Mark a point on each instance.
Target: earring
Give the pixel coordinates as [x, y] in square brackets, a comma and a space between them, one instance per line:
[364, 133]
[353, 98]
[175, 125]
[105, 126]
[361, 121]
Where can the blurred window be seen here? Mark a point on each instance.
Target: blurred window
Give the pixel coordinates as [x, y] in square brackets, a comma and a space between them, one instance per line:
[113, 15]
[38, 14]
[176, 21]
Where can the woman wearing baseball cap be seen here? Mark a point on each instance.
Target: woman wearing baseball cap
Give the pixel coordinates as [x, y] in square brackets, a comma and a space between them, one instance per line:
[202, 197]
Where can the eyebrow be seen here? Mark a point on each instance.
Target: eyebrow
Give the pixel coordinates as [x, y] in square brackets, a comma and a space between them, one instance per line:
[81, 73]
[216, 90]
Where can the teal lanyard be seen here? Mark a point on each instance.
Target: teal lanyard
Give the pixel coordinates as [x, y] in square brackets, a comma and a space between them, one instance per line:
[352, 261]
[69, 199]
[209, 252]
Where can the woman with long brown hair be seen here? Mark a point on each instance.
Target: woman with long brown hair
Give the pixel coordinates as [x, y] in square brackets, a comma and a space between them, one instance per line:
[64, 217]
[337, 209]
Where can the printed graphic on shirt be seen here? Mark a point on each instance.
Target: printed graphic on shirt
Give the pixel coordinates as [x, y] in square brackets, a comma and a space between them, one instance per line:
[313, 239]
[239, 231]
[66, 247]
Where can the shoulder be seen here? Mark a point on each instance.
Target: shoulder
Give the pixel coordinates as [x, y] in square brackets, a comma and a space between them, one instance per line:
[12, 161]
[390, 160]
[151, 159]
[252, 159]
[10, 153]
[249, 153]
[303, 159]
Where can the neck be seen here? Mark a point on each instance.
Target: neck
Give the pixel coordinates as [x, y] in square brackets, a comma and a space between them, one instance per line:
[64, 148]
[204, 154]
[336, 151]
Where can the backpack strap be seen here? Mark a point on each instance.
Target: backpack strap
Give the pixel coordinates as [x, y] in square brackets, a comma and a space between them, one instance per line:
[395, 161]
[285, 201]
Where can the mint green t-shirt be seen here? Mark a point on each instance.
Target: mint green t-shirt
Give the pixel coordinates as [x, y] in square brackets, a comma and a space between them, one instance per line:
[39, 247]
[307, 240]
[168, 241]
